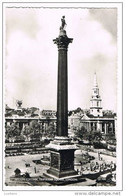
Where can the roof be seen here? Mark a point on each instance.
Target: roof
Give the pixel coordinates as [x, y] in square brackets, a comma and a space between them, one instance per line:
[92, 117]
[75, 116]
[7, 107]
[85, 117]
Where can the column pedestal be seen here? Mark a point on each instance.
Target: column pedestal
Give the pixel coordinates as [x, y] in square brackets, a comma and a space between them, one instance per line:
[61, 158]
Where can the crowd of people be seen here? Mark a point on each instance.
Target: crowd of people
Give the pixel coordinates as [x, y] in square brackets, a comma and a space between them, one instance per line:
[99, 165]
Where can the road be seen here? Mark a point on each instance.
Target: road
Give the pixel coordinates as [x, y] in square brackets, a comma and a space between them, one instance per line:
[19, 162]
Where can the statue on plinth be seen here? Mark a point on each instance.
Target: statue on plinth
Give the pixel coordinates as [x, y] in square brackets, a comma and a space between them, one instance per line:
[63, 23]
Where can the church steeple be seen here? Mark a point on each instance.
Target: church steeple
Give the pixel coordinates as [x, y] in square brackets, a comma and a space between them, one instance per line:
[95, 107]
[95, 80]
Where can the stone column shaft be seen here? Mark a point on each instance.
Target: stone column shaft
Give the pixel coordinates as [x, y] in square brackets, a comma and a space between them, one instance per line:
[62, 95]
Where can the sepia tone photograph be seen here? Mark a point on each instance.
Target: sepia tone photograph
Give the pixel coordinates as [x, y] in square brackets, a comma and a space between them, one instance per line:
[61, 96]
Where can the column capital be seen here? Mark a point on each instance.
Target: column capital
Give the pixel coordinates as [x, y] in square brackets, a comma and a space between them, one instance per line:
[62, 41]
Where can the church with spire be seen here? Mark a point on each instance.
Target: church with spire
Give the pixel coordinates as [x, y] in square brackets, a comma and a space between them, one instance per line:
[97, 120]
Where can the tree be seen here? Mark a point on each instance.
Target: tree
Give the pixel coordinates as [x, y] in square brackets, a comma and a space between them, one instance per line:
[97, 136]
[51, 130]
[35, 129]
[12, 130]
[7, 131]
[70, 113]
[27, 131]
[109, 113]
[89, 136]
[110, 138]
[27, 175]
[77, 110]
[94, 136]
[81, 133]
[17, 172]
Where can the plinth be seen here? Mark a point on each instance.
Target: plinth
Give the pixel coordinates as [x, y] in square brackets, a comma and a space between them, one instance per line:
[61, 158]
[61, 149]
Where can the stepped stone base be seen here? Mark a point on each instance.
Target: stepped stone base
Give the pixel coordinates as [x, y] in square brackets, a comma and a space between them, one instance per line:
[61, 175]
[61, 158]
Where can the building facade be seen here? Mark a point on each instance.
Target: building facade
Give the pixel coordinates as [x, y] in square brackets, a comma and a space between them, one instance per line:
[23, 117]
[97, 120]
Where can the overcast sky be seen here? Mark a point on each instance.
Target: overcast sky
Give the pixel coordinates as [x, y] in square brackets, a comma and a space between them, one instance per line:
[32, 57]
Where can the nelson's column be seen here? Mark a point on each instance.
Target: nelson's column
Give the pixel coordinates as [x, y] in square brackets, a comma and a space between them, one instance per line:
[61, 149]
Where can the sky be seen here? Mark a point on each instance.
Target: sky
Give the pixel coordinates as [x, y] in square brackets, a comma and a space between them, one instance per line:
[31, 59]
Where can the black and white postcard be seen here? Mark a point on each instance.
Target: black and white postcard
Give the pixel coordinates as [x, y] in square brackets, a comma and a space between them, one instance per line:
[62, 97]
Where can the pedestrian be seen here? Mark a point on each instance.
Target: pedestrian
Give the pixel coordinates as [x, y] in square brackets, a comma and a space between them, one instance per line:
[90, 166]
[99, 155]
[35, 169]
[111, 169]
